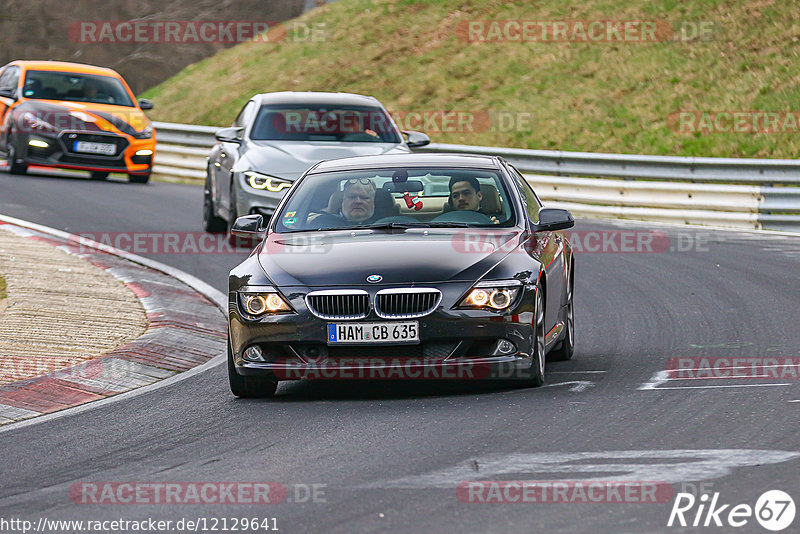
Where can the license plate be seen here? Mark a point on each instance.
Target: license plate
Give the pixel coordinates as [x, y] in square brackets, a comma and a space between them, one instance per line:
[95, 148]
[399, 332]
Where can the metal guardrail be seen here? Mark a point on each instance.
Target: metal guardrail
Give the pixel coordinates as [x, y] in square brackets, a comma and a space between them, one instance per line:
[740, 193]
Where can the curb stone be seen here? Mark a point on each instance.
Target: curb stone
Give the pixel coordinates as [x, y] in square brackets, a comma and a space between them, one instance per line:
[186, 329]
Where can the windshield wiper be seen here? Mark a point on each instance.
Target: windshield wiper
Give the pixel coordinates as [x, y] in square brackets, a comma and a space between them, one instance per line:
[405, 225]
[444, 224]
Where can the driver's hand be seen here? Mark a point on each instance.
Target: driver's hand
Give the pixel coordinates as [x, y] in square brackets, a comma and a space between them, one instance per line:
[494, 220]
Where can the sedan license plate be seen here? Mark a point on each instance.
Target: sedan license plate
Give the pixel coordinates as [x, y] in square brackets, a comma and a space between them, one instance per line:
[396, 332]
[95, 148]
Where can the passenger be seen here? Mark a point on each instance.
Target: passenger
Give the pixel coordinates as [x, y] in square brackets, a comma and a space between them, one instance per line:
[358, 202]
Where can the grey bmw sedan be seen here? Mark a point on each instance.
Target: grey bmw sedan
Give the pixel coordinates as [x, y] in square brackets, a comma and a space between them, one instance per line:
[277, 136]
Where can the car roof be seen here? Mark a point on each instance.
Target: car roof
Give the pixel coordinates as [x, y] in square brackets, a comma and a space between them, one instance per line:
[409, 160]
[312, 97]
[63, 66]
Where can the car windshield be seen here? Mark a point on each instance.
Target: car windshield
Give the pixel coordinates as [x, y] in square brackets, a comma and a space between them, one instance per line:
[398, 197]
[75, 87]
[345, 124]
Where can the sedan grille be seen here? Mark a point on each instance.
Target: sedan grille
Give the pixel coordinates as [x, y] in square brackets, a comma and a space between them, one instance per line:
[338, 304]
[406, 303]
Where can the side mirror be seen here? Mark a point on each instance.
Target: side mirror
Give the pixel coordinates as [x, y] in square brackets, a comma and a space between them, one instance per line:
[230, 135]
[9, 93]
[552, 219]
[251, 226]
[416, 139]
[145, 104]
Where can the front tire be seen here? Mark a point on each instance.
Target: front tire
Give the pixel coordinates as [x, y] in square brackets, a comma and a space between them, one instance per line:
[99, 175]
[566, 347]
[536, 370]
[13, 166]
[249, 387]
[211, 222]
[234, 214]
[139, 178]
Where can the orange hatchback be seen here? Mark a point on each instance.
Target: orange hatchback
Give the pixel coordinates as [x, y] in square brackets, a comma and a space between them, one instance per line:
[73, 116]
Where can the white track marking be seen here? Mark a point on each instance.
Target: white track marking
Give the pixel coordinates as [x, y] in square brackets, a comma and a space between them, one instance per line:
[573, 372]
[656, 380]
[721, 386]
[577, 385]
[668, 466]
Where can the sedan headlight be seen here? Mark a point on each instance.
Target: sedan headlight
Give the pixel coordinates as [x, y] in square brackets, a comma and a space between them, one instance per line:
[265, 302]
[147, 133]
[264, 181]
[494, 295]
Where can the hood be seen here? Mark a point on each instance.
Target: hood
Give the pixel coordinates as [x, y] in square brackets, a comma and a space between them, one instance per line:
[290, 159]
[128, 120]
[339, 258]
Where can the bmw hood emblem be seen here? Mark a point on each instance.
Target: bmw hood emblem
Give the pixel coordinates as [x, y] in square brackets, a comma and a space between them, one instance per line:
[374, 278]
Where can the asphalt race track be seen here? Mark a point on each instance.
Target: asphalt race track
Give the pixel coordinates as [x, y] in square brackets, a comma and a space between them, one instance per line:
[389, 457]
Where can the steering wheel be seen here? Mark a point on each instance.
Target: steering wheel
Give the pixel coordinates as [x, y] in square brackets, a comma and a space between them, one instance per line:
[360, 136]
[465, 216]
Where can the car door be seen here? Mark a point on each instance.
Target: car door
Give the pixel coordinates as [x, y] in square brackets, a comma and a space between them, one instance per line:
[9, 79]
[547, 247]
[227, 156]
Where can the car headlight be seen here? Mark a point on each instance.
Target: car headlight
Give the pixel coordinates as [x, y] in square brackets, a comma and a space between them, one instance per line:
[495, 295]
[147, 133]
[32, 122]
[264, 181]
[266, 302]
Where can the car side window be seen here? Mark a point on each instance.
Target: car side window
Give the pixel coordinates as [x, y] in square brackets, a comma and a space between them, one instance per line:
[532, 203]
[242, 118]
[10, 78]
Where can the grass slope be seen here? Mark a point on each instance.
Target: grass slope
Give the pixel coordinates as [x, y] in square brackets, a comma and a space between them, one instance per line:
[591, 96]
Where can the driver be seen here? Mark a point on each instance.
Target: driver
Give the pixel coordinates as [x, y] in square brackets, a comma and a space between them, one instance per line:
[358, 202]
[91, 92]
[465, 193]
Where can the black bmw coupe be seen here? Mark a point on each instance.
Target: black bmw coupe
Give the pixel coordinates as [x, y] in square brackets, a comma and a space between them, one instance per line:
[412, 266]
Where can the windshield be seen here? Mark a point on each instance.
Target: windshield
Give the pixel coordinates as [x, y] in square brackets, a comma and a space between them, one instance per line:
[74, 87]
[398, 197]
[348, 124]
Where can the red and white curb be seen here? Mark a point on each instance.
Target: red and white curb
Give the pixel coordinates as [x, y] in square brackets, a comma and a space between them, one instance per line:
[187, 330]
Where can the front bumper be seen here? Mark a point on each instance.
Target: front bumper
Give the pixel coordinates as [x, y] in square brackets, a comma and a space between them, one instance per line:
[57, 153]
[453, 344]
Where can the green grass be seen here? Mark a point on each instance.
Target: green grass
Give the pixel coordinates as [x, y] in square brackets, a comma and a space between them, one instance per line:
[3, 287]
[588, 96]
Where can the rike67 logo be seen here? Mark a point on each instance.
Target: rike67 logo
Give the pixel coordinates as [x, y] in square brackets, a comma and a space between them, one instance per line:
[774, 510]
